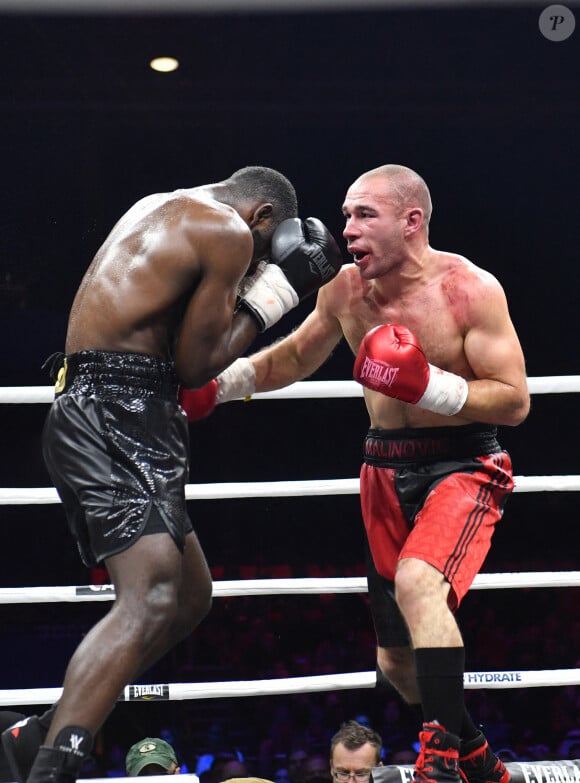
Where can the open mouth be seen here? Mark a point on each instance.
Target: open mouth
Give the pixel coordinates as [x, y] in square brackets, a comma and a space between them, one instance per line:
[360, 258]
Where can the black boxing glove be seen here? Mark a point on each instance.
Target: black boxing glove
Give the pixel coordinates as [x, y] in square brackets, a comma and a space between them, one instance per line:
[304, 257]
[307, 253]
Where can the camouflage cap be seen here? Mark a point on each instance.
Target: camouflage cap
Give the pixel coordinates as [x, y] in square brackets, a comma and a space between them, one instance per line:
[150, 750]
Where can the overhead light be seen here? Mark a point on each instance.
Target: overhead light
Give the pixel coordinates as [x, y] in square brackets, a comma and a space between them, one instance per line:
[164, 64]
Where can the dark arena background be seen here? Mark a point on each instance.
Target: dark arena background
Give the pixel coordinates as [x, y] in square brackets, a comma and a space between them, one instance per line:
[481, 101]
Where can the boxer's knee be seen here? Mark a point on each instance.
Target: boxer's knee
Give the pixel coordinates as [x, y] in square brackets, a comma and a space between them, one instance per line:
[419, 588]
[193, 609]
[159, 610]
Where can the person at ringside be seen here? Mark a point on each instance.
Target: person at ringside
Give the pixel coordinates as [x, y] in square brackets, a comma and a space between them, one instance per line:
[354, 751]
[151, 756]
[179, 289]
[441, 366]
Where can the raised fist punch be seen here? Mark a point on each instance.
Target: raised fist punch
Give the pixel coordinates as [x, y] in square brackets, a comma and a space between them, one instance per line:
[235, 383]
[304, 257]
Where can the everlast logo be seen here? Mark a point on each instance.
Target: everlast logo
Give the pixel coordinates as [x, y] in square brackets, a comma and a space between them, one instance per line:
[549, 773]
[148, 692]
[406, 449]
[381, 372]
[534, 772]
[319, 265]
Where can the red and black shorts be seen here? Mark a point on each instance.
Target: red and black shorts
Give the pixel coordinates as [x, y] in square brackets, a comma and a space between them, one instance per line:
[116, 445]
[434, 494]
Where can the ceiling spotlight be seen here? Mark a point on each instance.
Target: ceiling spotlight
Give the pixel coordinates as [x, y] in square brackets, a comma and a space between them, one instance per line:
[164, 64]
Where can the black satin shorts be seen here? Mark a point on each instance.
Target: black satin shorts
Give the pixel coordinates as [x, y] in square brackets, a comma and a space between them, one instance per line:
[116, 445]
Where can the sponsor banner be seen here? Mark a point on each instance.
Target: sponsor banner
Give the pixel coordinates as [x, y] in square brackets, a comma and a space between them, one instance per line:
[485, 678]
[520, 772]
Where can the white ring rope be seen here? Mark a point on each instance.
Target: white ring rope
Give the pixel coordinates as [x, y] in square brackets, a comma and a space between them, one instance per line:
[301, 586]
[179, 691]
[278, 489]
[549, 384]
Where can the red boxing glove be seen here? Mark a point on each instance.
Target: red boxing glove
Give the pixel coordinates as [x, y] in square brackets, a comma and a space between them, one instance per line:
[390, 360]
[236, 382]
[198, 403]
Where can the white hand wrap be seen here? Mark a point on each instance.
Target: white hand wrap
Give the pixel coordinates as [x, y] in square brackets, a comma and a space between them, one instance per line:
[247, 282]
[237, 381]
[445, 393]
[270, 295]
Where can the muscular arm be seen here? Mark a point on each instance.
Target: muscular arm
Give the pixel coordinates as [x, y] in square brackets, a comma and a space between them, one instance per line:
[499, 394]
[303, 351]
[211, 336]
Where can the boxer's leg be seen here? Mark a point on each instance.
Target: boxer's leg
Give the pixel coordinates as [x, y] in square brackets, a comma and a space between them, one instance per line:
[151, 612]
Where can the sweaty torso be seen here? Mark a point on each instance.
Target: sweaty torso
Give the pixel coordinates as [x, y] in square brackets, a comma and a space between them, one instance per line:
[133, 295]
[437, 308]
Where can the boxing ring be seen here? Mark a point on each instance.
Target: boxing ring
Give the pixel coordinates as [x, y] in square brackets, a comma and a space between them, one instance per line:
[532, 772]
